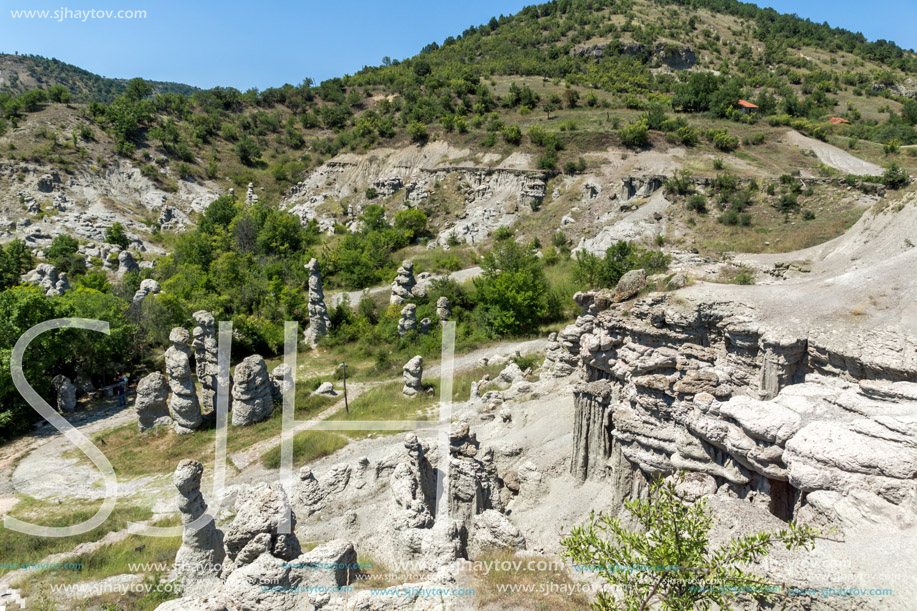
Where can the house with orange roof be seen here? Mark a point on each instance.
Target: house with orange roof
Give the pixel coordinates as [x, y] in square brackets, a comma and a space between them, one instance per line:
[746, 107]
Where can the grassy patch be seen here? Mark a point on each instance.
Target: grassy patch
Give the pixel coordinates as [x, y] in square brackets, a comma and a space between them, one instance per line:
[20, 548]
[133, 453]
[385, 402]
[556, 585]
[307, 446]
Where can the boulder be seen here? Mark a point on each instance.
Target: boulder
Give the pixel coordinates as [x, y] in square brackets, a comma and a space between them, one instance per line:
[261, 511]
[126, 264]
[630, 284]
[147, 287]
[326, 389]
[152, 405]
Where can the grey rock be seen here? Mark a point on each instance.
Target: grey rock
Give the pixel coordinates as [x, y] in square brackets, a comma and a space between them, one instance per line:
[408, 320]
[280, 382]
[492, 531]
[319, 322]
[201, 552]
[630, 284]
[260, 511]
[206, 356]
[252, 400]
[147, 287]
[65, 394]
[152, 405]
[443, 309]
[326, 389]
[412, 372]
[184, 406]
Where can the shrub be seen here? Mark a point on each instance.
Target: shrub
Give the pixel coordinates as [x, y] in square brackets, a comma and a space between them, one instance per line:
[808, 215]
[371, 193]
[512, 134]
[635, 134]
[664, 529]
[116, 235]
[680, 184]
[895, 176]
[723, 141]
[418, 132]
[697, 203]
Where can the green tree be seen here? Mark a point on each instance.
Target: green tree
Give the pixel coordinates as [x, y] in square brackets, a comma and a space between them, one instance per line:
[116, 235]
[15, 260]
[247, 150]
[62, 253]
[672, 536]
[512, 291]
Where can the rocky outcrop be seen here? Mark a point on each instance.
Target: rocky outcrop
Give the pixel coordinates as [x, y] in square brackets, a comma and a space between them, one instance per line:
[64, 394]
[701, 386]
[184, 406]
[261, 509]
[408, 320]
[252, 398]
[562, 353]
[126, 264]
[640, 186]
[412, 372]
[319, 322]
[47, 277]
[201, 552]
[492, 531]
[152, 404]
[443, 309]
[147, 287]
[404, 286]
[205, 358]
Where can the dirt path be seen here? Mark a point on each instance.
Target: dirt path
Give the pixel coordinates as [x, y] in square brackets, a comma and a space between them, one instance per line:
[832, 156]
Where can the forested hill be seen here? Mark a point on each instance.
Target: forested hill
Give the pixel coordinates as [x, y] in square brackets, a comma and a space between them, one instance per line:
[20, 73]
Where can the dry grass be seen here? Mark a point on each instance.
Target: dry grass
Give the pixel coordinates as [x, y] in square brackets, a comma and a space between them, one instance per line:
[552, 589]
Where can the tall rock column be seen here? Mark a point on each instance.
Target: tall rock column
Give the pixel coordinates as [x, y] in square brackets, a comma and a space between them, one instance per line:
[201, 552]
[205, 358]
[319, 323]
[183, 406]
[405, 286]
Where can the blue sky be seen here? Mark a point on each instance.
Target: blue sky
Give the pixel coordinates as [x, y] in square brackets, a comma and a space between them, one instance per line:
[250, 44]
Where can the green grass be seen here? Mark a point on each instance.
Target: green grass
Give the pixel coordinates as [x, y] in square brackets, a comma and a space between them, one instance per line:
[20, 548]
[133, 453]
[307, 446]
[558, 594]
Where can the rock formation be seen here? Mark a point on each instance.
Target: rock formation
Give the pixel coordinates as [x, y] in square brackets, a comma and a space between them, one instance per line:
[562, 354]
[152, 405]
[261, 509]
[630, 284]
[700, 386]
[201, 552]
[147, 287]
[404, 286]
[474, 488]
[412, 374]
[205, 358]
[47, 277]
[64, 393]
[126, 264]
[408, 320]
[443, 309]
[279, 383]
[319, 323]
[183, 406]
[252, 400]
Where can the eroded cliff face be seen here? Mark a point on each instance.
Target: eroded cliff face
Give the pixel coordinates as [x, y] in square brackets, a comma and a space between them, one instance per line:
[783, 421]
